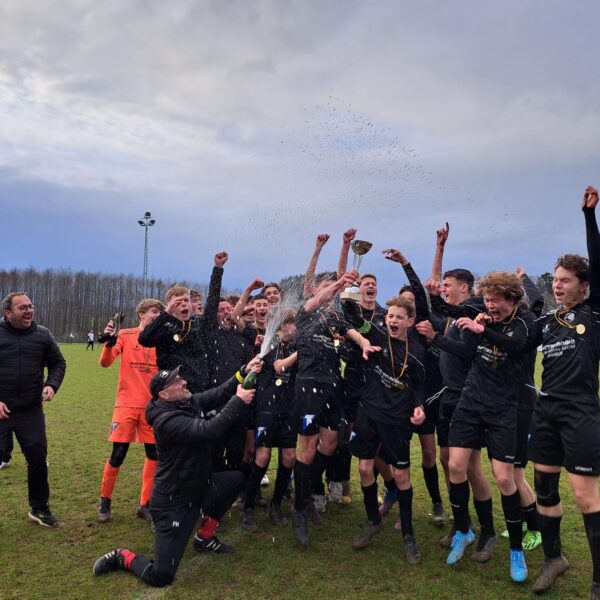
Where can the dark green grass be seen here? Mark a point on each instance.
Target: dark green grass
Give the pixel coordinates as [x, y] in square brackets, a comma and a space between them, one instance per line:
[37, 563]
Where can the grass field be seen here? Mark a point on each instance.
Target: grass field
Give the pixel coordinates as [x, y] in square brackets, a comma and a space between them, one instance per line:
[37, 563]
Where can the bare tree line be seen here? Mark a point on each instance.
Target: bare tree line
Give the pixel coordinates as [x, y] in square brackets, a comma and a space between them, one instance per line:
[75, 302]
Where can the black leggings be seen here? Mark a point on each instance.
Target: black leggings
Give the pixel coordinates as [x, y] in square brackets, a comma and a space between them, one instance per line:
[174, 527]
[119, 452]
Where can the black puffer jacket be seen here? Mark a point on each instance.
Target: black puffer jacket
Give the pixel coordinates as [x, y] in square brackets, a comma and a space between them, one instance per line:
[23, 355]
[183, 437]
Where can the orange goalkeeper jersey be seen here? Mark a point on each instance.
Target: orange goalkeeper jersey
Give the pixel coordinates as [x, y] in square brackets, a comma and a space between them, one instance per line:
[138, 365]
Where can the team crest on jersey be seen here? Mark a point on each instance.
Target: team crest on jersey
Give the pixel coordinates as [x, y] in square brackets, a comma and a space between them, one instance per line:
[114, 425]
[570, 317]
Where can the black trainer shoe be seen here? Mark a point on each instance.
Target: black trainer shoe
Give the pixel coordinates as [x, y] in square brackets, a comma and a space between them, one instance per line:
[411, 551]
[43, 516]
[143, 511]
[300, 526]
[248, 520]
[211, 544]
[366, 534]
[485, 548]
[276, 515]
[112, 561]
[104, 510]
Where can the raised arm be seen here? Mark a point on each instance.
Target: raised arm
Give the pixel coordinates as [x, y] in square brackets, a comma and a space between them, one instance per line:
[112, 348]
[209, 316]
[344, 250]
[309, 276]
[236, 315]
[438, 258]
[421, 306]
[589, 203]
[325, 294]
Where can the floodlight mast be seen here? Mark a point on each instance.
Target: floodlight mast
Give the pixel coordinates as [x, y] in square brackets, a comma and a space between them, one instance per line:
[145, 222]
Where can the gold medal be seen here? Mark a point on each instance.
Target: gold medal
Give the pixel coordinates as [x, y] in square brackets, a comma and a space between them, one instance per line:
[278, 382]
[400, 385]
[580, 329]
[177, 337]
[336, 343]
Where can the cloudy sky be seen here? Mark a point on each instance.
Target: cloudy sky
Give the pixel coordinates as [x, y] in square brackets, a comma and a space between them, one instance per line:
[251, 126]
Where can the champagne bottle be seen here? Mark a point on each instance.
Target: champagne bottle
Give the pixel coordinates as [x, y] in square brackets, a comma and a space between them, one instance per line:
[249, 381]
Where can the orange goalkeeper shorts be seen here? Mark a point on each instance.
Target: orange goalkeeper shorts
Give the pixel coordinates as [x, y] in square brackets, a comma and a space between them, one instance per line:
[129, 425]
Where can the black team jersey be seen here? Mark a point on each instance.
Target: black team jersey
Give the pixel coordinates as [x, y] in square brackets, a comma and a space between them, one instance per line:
[362, 319]
[571, 338]
[528, 391]
[395, 380]
[454, 368]
[227, 349]
[497, 356]
[188, 343]
[318, 347]
[275, 391]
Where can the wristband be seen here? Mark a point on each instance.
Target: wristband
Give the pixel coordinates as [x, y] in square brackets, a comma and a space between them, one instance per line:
[239, 377]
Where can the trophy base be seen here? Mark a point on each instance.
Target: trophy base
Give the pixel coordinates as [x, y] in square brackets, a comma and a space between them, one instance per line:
[351, 295]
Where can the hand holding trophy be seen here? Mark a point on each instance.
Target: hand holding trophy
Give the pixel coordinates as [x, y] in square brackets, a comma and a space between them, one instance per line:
[359, 248]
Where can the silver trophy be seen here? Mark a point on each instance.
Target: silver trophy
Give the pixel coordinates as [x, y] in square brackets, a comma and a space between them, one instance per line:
[360, 248]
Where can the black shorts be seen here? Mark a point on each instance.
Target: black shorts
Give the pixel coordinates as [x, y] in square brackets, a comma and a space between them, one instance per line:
[496, 429]
[432, 412]
[274, 430]
[391, 440]
[448, 401]
[353, 384]
[318, 405]
[523, 424]
[565, 433]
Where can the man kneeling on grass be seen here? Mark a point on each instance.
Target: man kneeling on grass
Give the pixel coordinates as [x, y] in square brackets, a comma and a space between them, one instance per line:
[185, 488]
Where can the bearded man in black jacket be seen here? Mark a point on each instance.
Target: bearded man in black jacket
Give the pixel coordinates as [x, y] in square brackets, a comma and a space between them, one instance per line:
[26, 349]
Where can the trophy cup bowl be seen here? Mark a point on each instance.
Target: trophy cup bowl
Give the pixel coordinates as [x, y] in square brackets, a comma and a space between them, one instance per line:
[359, 248]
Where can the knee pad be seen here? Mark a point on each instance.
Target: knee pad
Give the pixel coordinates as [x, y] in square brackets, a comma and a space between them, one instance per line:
[151, 451]
[546, 488]
[118, 454]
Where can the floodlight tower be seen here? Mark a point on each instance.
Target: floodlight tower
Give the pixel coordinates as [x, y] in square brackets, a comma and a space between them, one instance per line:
[146, 221]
